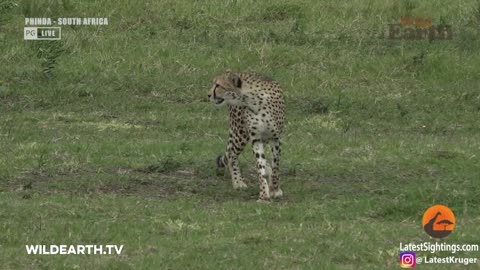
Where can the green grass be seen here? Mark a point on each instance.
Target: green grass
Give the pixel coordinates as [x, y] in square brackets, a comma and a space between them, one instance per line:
[107, 137]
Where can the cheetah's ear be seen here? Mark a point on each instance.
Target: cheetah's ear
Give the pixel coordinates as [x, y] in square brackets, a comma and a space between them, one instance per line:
[237, 82]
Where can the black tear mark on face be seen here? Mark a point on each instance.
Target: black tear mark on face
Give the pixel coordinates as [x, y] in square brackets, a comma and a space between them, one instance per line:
[237, 82]
[215, 90]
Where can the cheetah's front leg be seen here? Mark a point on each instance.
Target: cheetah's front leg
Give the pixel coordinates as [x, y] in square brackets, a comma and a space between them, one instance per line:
[276, 192]
[259, 152]
[232, 153]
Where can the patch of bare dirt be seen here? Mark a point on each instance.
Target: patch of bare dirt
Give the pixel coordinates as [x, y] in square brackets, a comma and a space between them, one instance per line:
[112, 181]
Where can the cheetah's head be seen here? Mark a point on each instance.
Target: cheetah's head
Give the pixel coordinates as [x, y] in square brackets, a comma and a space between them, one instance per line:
[226, 89]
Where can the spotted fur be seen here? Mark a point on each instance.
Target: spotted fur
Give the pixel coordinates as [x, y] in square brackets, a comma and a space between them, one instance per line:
[257, 114]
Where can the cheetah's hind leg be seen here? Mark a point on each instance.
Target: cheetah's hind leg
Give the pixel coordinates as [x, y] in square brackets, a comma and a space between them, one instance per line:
[268, 171]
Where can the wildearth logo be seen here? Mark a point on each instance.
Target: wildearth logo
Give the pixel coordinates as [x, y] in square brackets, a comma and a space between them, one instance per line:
[419, 28]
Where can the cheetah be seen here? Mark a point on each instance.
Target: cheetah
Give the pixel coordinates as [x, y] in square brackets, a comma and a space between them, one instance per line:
[257, 114]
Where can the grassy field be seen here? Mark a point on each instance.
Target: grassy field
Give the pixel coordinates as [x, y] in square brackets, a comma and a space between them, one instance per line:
[107, 136]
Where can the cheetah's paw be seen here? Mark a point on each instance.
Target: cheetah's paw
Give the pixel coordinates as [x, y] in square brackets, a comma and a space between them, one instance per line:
[239, 185]
[276, 193]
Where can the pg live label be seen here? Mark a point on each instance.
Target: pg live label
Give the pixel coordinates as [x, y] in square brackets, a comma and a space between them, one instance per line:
[42, 33]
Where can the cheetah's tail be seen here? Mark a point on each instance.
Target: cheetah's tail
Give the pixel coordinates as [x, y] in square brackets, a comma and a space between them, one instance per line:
[222, 161]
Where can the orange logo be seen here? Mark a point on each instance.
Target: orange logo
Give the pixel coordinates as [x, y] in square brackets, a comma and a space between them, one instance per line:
[438, 221]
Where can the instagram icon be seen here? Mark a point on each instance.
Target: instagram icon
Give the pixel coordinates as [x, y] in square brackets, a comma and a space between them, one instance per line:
[408, 259]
